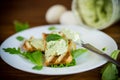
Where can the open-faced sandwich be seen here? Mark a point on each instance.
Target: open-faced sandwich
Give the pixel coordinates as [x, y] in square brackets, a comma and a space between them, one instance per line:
[56, 46]
[55, 49]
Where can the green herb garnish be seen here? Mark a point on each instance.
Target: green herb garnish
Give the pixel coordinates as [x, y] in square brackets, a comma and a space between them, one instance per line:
[20, 38]
[110, 71]
[52, 28]
[20, 26]
[12, 50]
[53, 37]
[35, 57]
[37, 67]
[104, 49]
[76, 53]
[73, 63]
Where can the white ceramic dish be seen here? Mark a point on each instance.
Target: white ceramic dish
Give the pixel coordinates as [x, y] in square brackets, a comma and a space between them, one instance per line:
[84, 62]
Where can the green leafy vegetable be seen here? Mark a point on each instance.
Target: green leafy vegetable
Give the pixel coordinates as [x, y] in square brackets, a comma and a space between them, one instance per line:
[109, 71]
[37, 67]
[20, 38]
[52, 28]
[73, 63]
[20, 26]
[53, 37]
[104, 49]
[76, 53]
[12, 50]
[35, 57]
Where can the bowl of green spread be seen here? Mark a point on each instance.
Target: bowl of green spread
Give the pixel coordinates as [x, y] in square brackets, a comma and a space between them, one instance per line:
[98, 14]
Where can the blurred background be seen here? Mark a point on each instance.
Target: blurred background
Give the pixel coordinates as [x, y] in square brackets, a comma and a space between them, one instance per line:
[32, 12]
[29, 11]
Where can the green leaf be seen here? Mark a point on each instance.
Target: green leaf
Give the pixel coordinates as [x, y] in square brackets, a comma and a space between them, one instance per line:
[109, 71]
[52, 28]
[29, 57]
[104, 49]
[12, 50]
[37, 67]
[73, 63]
[20, 26]
[114, 54]
[76, 53]
[61, 65]
[53, 37]
[20, 38]
[36, 58]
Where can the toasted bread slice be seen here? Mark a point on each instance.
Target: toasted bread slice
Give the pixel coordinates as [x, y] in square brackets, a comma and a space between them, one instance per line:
[33, 44]
[27, 46]
[60, 59]
[52, 59]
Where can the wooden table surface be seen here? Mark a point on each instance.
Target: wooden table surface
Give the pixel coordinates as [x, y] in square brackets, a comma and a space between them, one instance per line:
[33, 12]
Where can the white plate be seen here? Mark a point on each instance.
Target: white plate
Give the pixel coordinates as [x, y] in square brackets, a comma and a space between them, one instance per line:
[84, 62]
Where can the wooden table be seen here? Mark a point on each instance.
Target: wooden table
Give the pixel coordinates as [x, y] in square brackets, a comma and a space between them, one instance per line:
[33, 11]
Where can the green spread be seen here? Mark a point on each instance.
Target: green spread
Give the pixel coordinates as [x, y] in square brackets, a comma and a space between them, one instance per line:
[56, 47]
[94, 13]
[74, 36]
